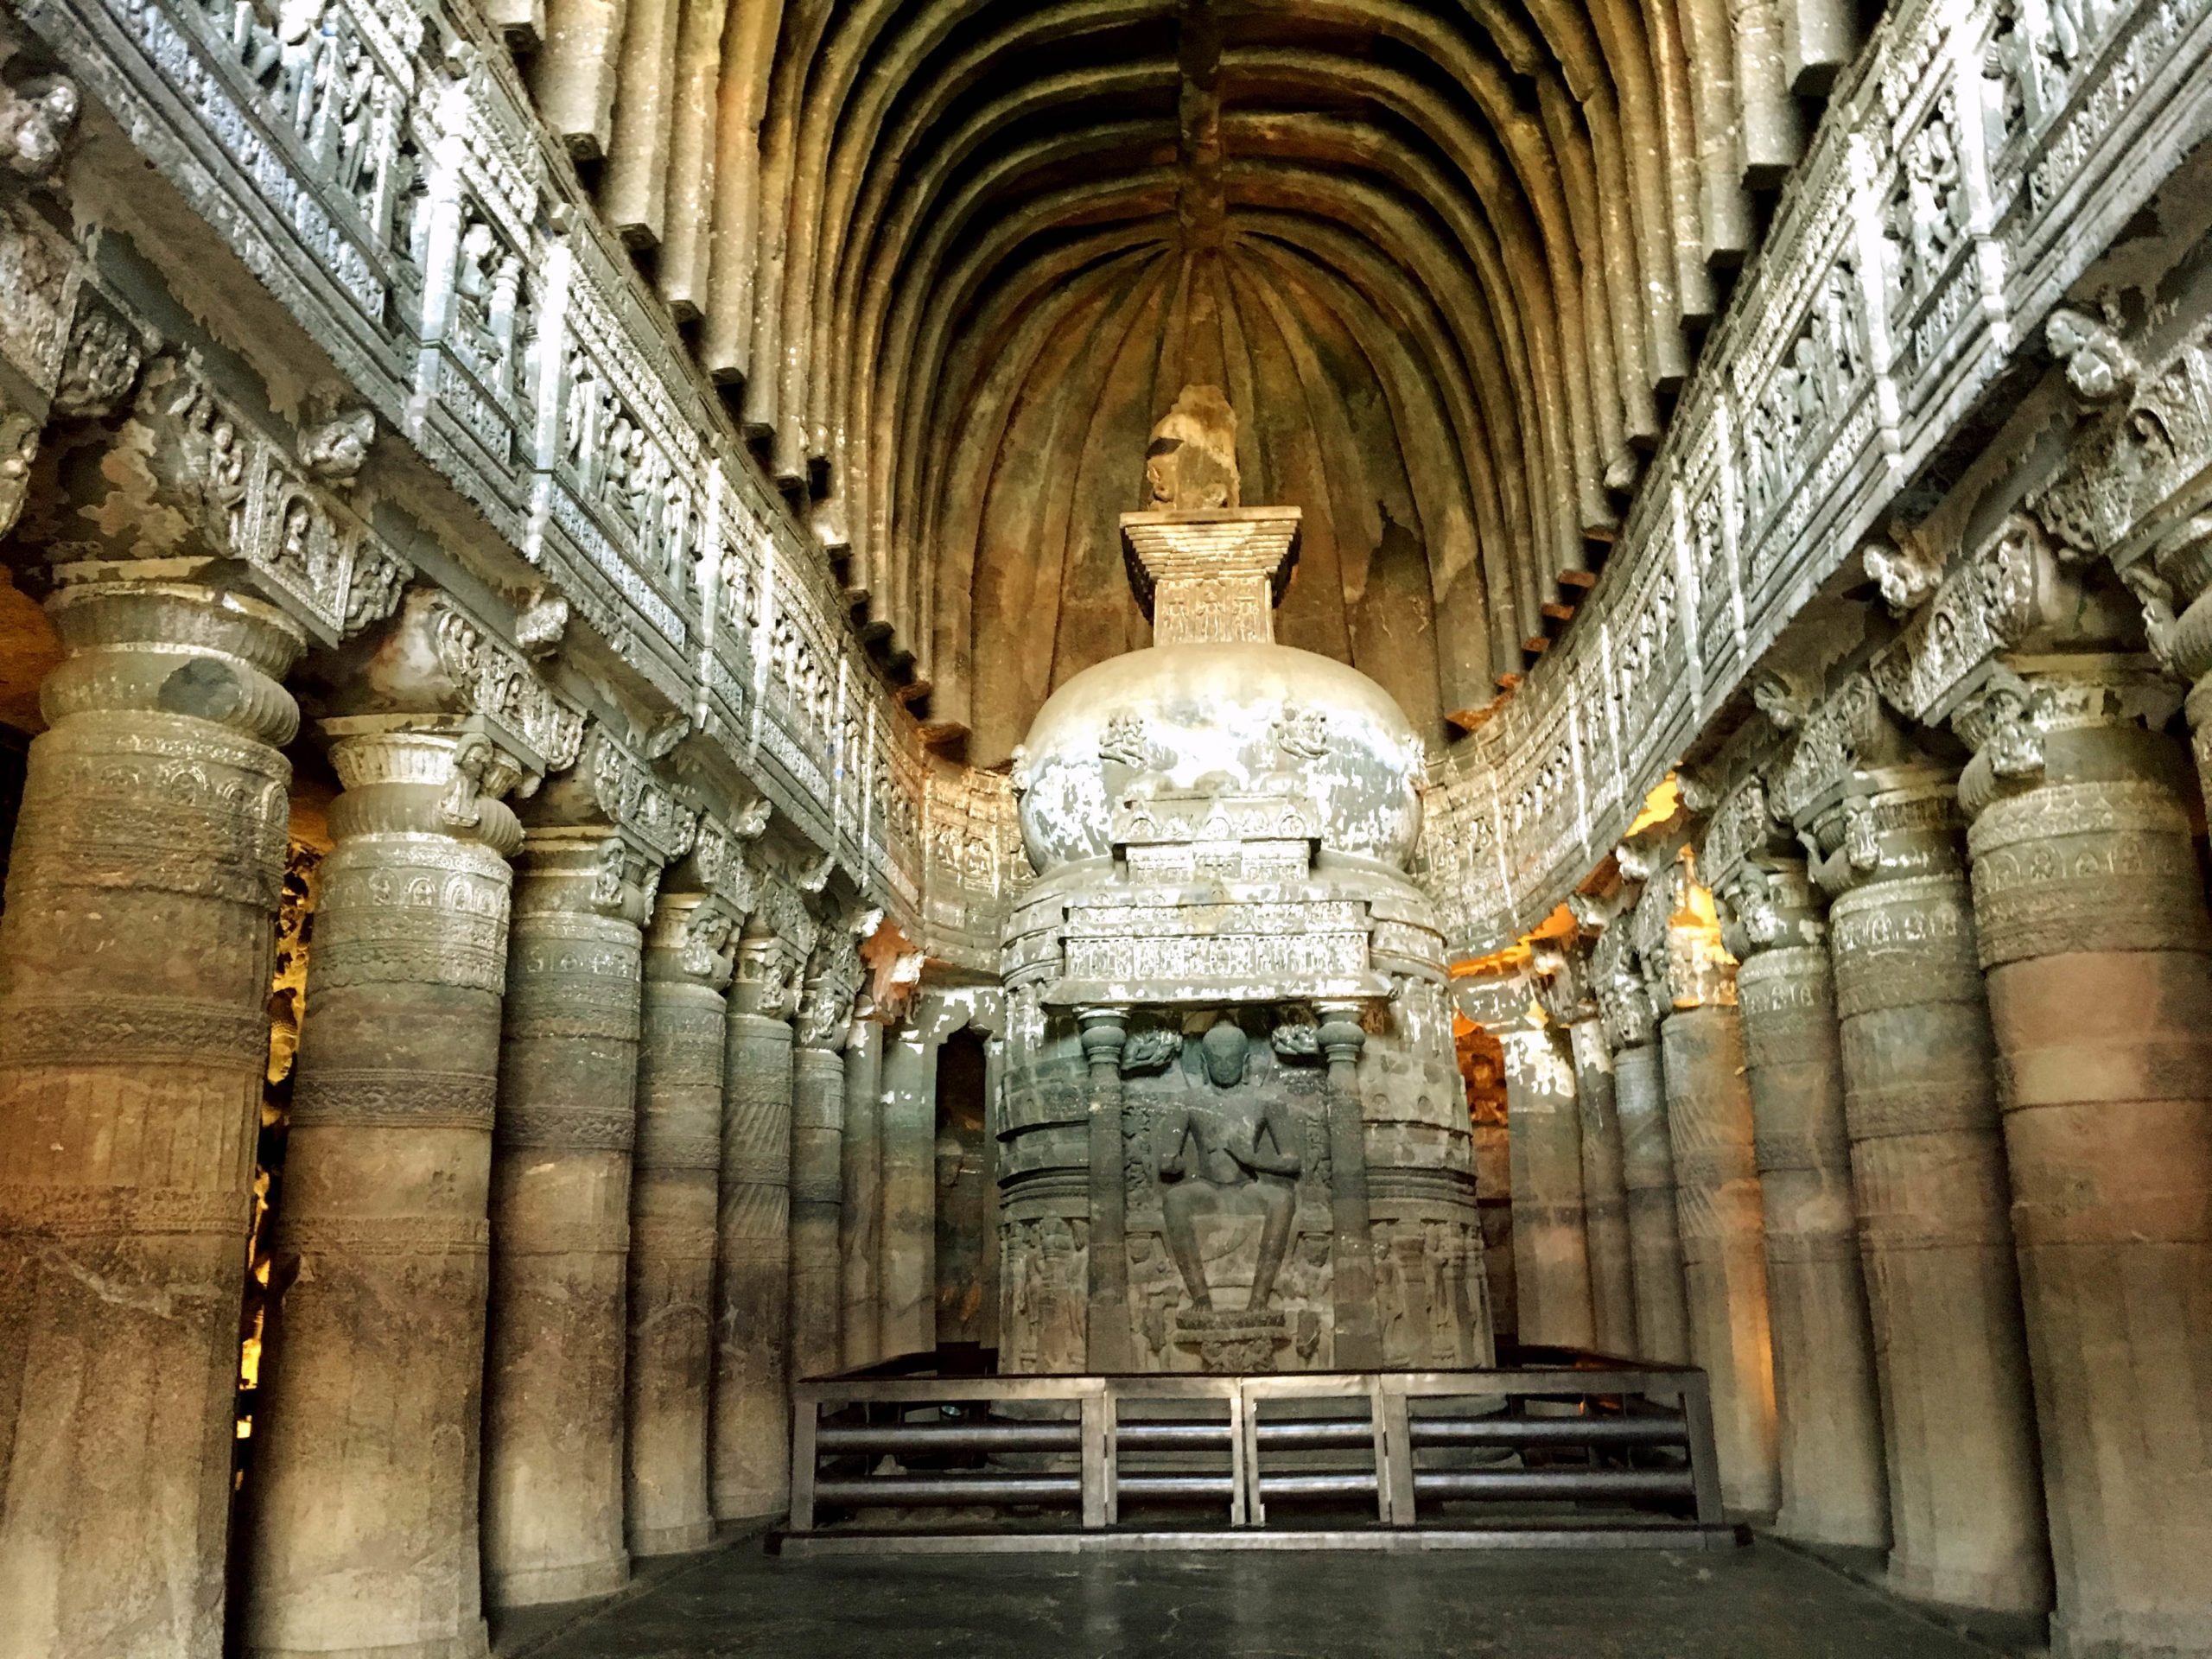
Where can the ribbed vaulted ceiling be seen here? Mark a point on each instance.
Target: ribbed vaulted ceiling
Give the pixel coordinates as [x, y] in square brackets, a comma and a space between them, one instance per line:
[953, 257]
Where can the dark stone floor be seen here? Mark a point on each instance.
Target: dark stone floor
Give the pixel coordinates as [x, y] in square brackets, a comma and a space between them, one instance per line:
[1762, 1602]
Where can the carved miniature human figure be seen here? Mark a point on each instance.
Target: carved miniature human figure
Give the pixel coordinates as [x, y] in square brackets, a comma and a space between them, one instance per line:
[1224, 1118]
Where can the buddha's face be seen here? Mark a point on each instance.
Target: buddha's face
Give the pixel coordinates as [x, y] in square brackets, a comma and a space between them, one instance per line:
[1223, 1047]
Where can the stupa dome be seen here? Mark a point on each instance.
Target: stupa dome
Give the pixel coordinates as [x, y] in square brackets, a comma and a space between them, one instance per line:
[1238, 720]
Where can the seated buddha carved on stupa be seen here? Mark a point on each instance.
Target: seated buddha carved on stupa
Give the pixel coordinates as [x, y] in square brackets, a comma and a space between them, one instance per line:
[1228, 1146]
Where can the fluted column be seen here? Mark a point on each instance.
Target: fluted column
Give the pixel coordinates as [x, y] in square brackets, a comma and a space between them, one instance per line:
[2089, 910]
[752, 1431]
[674, 1187]
[1605, 1192]
[1717, 1196]
[135, 962]
[1833, 1490]
[1929, 1179]
[366, 1476]
[859, 1222]
[558, 1335]
[1551, 1258]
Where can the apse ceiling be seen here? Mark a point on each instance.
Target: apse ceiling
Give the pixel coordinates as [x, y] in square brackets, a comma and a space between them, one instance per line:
[953, 258]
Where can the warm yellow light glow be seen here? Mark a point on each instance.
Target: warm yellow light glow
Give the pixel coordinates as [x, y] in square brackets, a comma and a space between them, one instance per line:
[1660, 804]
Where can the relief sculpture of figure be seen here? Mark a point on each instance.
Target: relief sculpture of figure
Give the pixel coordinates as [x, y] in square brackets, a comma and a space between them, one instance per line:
[1226, 1146]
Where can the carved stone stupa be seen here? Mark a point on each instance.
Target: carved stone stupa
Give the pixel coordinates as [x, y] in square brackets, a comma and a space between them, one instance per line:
[1233, 1135]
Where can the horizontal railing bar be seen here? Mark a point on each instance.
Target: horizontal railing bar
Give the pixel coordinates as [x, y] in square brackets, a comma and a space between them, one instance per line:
[1553, 1483]
[1219, 1487]
[1549, 1431]
[1344, 1486]
[949, 1437]
[1151, 1437]
[947, 1488]
[1331, 1431]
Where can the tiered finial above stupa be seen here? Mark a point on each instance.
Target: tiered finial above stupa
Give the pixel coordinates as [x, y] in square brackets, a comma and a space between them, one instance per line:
[1207, 570]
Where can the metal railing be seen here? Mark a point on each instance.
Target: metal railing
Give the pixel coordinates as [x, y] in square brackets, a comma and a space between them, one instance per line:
[1559, 1449]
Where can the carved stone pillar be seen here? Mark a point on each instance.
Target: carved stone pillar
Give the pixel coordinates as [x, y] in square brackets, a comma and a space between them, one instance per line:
[1111, 1345]
[674, 1188]
[1927, 1174]
[825, 1018]
[557, 1336]
[752, 1442]
[817, 1153]
[1662, 1325]
[2089, 909]
[1709, 1130]
[1605, 1192]
[366, 1477]
[1551, 1258]
[1358, 1337]
[1833, 1490]
[1570, 1002]
[135, 962]
[859, 1223]
[907, 1266]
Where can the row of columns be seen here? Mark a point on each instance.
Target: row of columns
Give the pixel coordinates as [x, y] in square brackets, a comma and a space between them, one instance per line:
[548, 1200]
[1940, 1151]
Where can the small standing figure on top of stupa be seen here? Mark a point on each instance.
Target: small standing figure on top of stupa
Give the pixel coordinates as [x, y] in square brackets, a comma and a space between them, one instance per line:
[1190, 464]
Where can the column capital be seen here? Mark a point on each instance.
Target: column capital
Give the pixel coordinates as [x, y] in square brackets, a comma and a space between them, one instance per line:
[1678, 937]
[431, 774]
[1769, 904]
[833, 980]
[1341, 1034]
[692, 932]
[136, 641]
[1103, 1031]
[589, 868]
[2063, 718]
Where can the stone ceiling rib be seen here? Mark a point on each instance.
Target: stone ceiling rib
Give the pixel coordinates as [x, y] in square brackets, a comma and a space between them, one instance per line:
[1495, 227]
